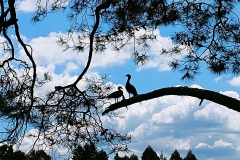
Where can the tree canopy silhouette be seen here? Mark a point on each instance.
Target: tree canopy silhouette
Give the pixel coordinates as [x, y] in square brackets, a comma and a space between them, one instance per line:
[7, 153]
[89, 151]
[162, 157]
[175, 155]
[67, 115]
[190, 156]
[132, 157]
[40, 154]
[149, 154]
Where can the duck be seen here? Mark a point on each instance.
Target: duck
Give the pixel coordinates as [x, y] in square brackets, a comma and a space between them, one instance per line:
[116, 94]
[130, 88]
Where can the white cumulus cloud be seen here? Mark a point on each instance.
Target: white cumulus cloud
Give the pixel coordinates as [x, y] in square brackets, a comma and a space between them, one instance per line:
[202, 145]
[235, 81]
[221, 143]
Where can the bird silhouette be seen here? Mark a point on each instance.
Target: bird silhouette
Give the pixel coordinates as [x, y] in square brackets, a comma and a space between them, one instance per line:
[116, 94]
[129, 87]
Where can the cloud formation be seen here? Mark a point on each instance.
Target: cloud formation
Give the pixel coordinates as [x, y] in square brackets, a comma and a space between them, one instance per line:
[235, 81]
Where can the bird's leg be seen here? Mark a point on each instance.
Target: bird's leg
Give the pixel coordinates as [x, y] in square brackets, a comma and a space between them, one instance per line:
[123, 98]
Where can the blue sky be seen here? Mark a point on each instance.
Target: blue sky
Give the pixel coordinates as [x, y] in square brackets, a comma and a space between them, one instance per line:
[211, 131]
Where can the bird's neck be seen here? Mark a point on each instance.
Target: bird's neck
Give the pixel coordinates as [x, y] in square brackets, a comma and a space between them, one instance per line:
[128, 80]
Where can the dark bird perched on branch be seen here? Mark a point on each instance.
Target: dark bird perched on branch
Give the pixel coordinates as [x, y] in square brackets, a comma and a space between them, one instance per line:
[116, 94]
[129, 87]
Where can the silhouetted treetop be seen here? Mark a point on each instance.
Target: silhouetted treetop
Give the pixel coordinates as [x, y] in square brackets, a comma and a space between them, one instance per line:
[38, 155]
[175, 155]
[133, 157]
[162, 157]
[7, 153]
[149, 154]
[190, 156]
[89, 151]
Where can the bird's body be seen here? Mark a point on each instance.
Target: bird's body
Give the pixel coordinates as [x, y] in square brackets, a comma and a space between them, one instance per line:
[116, 94]
[130, 88]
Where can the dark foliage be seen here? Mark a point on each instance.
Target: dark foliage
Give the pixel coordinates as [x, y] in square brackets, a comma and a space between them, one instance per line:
[132, 157]
[175, 155]
[37, 155]
[162, 157]
[89, 151]
[190, 156]
[149, 154]
[7, 153]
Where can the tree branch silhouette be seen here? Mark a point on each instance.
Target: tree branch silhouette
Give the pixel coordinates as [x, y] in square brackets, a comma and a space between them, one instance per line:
[202, 94]
[95, 27]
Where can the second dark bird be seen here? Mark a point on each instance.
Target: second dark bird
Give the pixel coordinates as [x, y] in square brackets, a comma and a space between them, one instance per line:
[130, 88]
[116, 94]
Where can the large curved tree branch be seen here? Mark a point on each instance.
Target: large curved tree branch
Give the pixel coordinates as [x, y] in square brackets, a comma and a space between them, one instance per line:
[202, 94]
[29, 55]
[95, 27]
